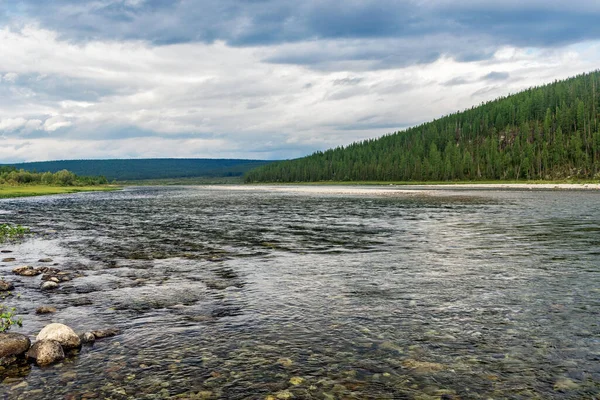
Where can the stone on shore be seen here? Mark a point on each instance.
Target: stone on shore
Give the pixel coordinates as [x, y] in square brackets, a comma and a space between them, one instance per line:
[64, 335]
[45, 310]
[6, 286]
[46, 352]
[12, 345]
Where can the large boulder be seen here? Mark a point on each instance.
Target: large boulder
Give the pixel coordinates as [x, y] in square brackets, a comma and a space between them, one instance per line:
[46, 352]
[12, 345]
[62, 334]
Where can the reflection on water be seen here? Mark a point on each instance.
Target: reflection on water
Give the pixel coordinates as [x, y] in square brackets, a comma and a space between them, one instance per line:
[250, 294]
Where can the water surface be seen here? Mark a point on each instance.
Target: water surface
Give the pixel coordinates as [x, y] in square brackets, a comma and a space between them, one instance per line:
[255, 293]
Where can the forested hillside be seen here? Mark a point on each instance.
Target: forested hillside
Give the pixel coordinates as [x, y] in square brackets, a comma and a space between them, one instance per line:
[157, 168]
[548, 132]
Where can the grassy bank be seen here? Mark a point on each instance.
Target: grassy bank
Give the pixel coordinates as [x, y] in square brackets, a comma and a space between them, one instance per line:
[10, 191]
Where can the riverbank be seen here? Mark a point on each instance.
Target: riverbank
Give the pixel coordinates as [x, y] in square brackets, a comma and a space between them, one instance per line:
[9, 191]
[407, 190]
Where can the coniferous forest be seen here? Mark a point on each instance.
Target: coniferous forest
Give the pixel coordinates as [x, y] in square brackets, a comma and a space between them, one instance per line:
[548, 132]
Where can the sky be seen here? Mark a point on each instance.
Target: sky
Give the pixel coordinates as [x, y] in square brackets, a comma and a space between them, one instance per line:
[265, 79]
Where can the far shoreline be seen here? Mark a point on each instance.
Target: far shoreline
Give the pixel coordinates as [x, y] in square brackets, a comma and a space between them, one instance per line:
[392, 190]
[486, 185]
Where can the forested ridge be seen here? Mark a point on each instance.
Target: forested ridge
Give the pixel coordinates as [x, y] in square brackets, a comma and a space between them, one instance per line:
[547, 132]
[149, 168]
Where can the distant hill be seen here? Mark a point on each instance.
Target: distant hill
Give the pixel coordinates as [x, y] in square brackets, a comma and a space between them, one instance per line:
[150, 168]
[547, 132]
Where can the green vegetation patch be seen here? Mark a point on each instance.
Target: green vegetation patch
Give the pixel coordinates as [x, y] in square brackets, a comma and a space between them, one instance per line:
[8, 231]
[10, 191]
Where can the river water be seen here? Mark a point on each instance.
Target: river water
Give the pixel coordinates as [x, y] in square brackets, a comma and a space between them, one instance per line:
[247, 294]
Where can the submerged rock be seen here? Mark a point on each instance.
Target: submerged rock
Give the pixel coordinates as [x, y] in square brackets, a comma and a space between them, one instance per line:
[422, 367]
[62, 334]
[9, 259]
[104, 333]
[46, 352]
[565, 384]
[296, 380]
[45, 260]
[87, 338]
[12, 345]
[45, 310]
[5, 286]
[26, 270]
[49, 285]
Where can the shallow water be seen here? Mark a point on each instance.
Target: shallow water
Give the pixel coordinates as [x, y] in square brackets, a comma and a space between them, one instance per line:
[236, 294]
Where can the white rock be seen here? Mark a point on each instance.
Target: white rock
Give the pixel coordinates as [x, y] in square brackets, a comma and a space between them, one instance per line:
[62, 334]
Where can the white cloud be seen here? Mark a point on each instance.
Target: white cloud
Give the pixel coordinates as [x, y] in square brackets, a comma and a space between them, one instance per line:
[196, 99]
[10, 77]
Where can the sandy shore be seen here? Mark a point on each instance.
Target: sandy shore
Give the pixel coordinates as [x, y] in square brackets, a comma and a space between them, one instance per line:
[397, 190]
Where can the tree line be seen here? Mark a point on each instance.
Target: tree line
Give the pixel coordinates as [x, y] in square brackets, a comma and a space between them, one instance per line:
[150, 168]
[547, 132]
[12, 176]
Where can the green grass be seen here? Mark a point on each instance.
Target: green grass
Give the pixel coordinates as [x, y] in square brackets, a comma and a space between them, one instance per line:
[9, 191]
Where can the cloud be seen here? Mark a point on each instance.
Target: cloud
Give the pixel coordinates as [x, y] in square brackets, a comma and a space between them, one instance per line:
[496, 76]
[409, 24]
[261, 78]
[457, 81]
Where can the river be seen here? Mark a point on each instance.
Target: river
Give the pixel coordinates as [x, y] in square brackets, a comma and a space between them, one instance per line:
[313, 294]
